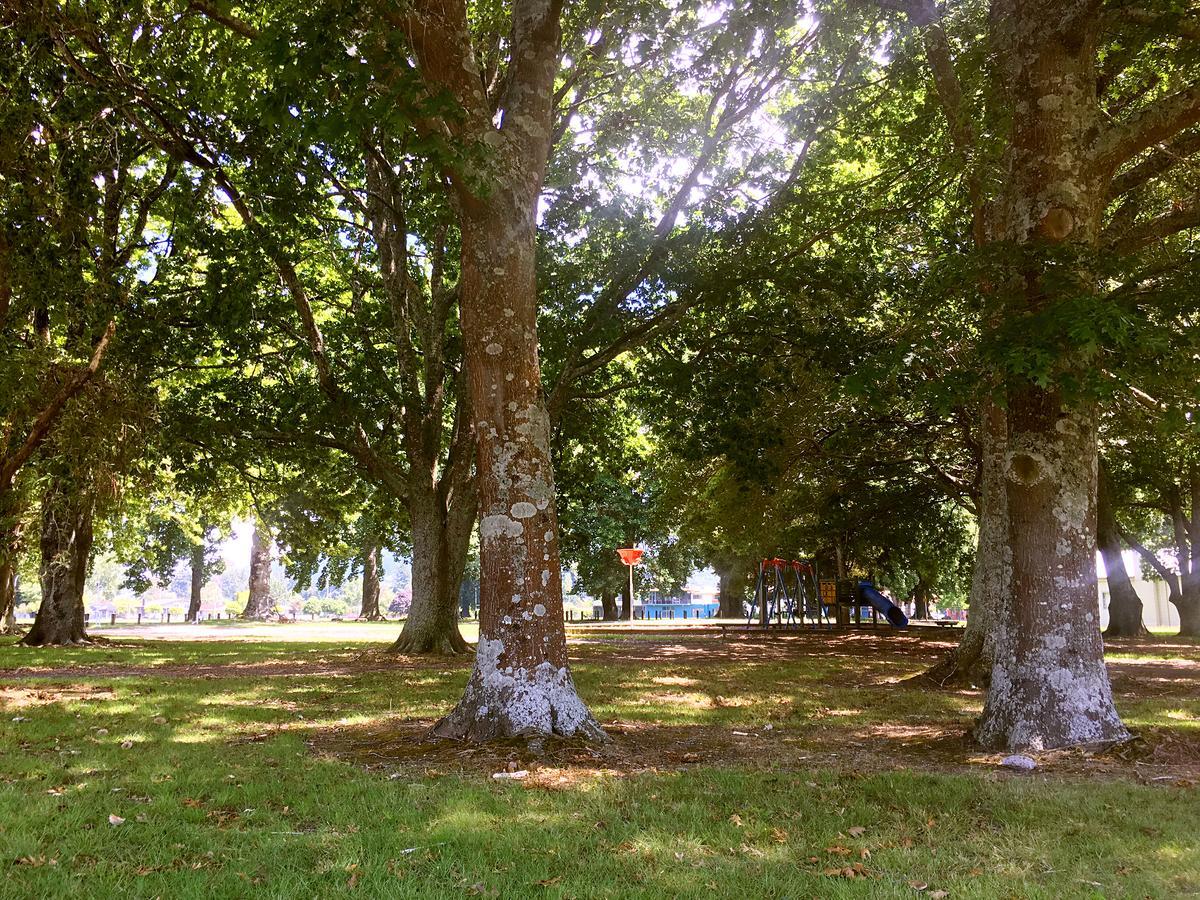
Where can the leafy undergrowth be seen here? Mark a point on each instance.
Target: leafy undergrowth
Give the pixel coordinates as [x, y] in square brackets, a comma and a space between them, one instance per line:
[801, 766]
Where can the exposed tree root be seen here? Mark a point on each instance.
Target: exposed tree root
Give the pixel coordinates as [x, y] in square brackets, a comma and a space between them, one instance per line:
[438, 644]
[956, 669]
[35, 640]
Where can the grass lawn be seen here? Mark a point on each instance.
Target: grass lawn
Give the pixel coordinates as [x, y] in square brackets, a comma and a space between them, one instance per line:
[746, 767]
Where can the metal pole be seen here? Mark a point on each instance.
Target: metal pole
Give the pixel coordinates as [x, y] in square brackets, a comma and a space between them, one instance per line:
[630, 592]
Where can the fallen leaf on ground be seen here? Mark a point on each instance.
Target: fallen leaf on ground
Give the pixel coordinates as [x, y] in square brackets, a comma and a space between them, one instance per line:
[856, 831]
[858, 870]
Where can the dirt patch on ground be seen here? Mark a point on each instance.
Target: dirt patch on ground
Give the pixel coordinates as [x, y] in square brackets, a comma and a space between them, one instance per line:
[403, 748]
[823, 740]
[22, 697]
[759, 647]
[350, 665]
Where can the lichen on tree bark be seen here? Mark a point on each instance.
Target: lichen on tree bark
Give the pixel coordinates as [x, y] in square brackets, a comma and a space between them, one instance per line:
[521, 684]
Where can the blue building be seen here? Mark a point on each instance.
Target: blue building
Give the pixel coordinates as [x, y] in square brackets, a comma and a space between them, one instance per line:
[684, 605]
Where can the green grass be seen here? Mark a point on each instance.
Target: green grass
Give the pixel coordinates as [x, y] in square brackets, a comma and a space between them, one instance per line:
[222, 796]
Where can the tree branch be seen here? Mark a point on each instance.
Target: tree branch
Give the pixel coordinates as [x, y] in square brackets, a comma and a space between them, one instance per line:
[210, 11]
[1165, 574]
[46, 418]
[1157, 122]
[1162, 160]
[1183, 216]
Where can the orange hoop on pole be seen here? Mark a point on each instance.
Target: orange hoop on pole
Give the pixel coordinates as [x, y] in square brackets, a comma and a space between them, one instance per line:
[630, 556]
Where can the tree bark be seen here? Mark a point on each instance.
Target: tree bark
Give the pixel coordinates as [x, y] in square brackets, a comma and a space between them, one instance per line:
[8, 598]
[921, 594]
[370, 585]
[1188, 607]
[626, 602]
[521, 684]
[258, 604]
[731, 587]
[1049, 684]
[1187, 601]
[441, 538]
[66, 547]
[971, 661]
[608, 604]
[196, 586]
[12, 515]
[1124, 604]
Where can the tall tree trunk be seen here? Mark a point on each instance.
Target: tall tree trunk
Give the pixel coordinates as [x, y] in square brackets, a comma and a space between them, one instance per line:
[921, 593]
[1124, 604]
[66, 547]
[1188, 600]
[13, 526]
[258, 604]
[441, 539]
[626, 602]
[196, 585]
[731, 587]
[971, 661]
[608, 604]
[370, 585]
[1049, 684]
[521, 684]
[8, 598]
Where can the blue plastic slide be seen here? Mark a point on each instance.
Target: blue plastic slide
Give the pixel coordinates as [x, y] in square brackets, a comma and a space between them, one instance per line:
[894, 614]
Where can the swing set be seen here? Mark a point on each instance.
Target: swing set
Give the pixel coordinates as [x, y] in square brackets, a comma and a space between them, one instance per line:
[788, 592]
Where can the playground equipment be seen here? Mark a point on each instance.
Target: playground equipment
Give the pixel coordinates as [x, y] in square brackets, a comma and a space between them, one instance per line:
[630, 556]
[894, 614]
[787, 592]
[850, 597]
[790, 593]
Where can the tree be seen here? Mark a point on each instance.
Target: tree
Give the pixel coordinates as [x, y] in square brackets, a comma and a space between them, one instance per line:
[164, 530]
[370, 583]
[1156, 465]
[1041, 224]
[258, 604]
[521, 682]
[79, 190]
[382, 155]
[1124, 605]
[612, 495]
